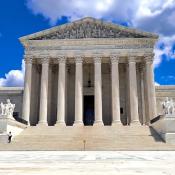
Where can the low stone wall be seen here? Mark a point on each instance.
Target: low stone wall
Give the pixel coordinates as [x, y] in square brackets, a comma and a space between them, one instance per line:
[165, 128]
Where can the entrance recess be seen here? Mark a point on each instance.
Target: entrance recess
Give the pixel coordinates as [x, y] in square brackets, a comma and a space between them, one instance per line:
[88, 118]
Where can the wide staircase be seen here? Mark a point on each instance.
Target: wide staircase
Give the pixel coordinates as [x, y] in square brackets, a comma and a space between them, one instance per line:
[90, 138]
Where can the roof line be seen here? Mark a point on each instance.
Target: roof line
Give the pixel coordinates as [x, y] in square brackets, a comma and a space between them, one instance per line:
[53, 29]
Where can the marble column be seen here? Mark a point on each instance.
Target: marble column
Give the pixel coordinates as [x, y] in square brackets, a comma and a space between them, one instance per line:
[133, 96]
[79, 92]
[151, 97]
[142, 94]
[98, 92]
[44, 92]
[27, 90]
[61, 92]
[115, 90]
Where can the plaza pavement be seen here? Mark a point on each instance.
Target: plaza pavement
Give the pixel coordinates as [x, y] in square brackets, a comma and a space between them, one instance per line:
[96, 163]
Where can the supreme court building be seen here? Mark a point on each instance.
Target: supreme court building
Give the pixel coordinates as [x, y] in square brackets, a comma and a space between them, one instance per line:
[89, 72]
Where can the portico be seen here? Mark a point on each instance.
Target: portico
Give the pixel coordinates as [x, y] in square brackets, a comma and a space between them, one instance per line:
[113, 67]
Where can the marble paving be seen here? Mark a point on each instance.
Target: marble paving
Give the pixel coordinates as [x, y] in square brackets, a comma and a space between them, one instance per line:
[96, 163]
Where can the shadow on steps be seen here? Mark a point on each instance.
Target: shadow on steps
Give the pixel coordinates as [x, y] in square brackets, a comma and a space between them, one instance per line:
[155, 135]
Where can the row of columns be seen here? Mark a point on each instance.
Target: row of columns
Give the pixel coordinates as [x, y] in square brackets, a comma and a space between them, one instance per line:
[133, 96]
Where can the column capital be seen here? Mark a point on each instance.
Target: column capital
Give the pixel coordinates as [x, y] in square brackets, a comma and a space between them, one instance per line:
[114, 58]
[45, 60]
[97, 59]
[132, 59]
[28, 59]
[149, 59]
[62, 59]
[78, 59]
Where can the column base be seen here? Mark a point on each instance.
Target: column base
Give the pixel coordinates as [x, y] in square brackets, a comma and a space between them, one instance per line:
[42, 123]
[98, 123]
[78, 123]
[60, 124]
[135, 122]
[116, 123]
[28, 124]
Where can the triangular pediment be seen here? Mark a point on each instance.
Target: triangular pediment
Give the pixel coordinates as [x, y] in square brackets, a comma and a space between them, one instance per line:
[88, 28]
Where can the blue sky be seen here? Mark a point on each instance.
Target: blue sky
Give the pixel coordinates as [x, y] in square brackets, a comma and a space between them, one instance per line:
[22, 17]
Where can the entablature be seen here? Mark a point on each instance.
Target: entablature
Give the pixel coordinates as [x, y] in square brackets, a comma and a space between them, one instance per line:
[105, 58]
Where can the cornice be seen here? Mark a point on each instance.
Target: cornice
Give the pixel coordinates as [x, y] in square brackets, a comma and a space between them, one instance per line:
[118, 43]
[85, 21]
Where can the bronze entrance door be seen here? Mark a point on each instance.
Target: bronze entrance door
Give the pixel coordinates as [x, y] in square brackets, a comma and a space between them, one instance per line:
[88, 118]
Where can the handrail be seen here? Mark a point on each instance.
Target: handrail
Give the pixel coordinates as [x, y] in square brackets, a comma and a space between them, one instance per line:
[156, 119]
[20, 120]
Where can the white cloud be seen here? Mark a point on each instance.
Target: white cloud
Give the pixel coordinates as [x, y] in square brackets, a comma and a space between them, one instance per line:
[110, 9]
[151, 15]
[14, 78]
[164, 49]
[156, 84]
[156, 16]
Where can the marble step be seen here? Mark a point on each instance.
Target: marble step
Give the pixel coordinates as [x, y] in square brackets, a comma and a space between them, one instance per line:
[97, 138]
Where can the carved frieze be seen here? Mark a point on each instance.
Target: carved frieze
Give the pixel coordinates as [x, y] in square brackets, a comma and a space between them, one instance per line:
[89, 29]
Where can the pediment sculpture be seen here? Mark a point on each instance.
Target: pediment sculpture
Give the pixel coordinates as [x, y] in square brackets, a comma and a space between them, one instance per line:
[89, 30]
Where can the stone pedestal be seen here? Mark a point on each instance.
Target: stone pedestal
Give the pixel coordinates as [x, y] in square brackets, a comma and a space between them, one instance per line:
[9, 124]
[3, 138]
[165, 127]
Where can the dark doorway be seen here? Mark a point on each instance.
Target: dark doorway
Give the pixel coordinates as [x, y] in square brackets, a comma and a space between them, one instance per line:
[88, 118]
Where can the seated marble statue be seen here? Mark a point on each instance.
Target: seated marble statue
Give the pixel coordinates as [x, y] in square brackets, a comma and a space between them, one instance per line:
[168, 106]
[7, 109]
[2, 107]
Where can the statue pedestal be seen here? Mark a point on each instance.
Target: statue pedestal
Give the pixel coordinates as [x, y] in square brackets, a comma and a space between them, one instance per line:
[4, 121]
[3, 138]
[9, 124]
[165, 127]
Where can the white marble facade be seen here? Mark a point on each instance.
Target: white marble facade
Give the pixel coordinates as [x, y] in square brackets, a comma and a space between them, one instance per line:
[89, 72]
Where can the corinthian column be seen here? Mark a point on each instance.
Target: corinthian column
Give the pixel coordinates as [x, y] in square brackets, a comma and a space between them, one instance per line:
[98, 92]
[27, 90]
[151, 97]
[115, 91]
[44, 92]
[61, 92]
[133, 96]
[79, 92]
